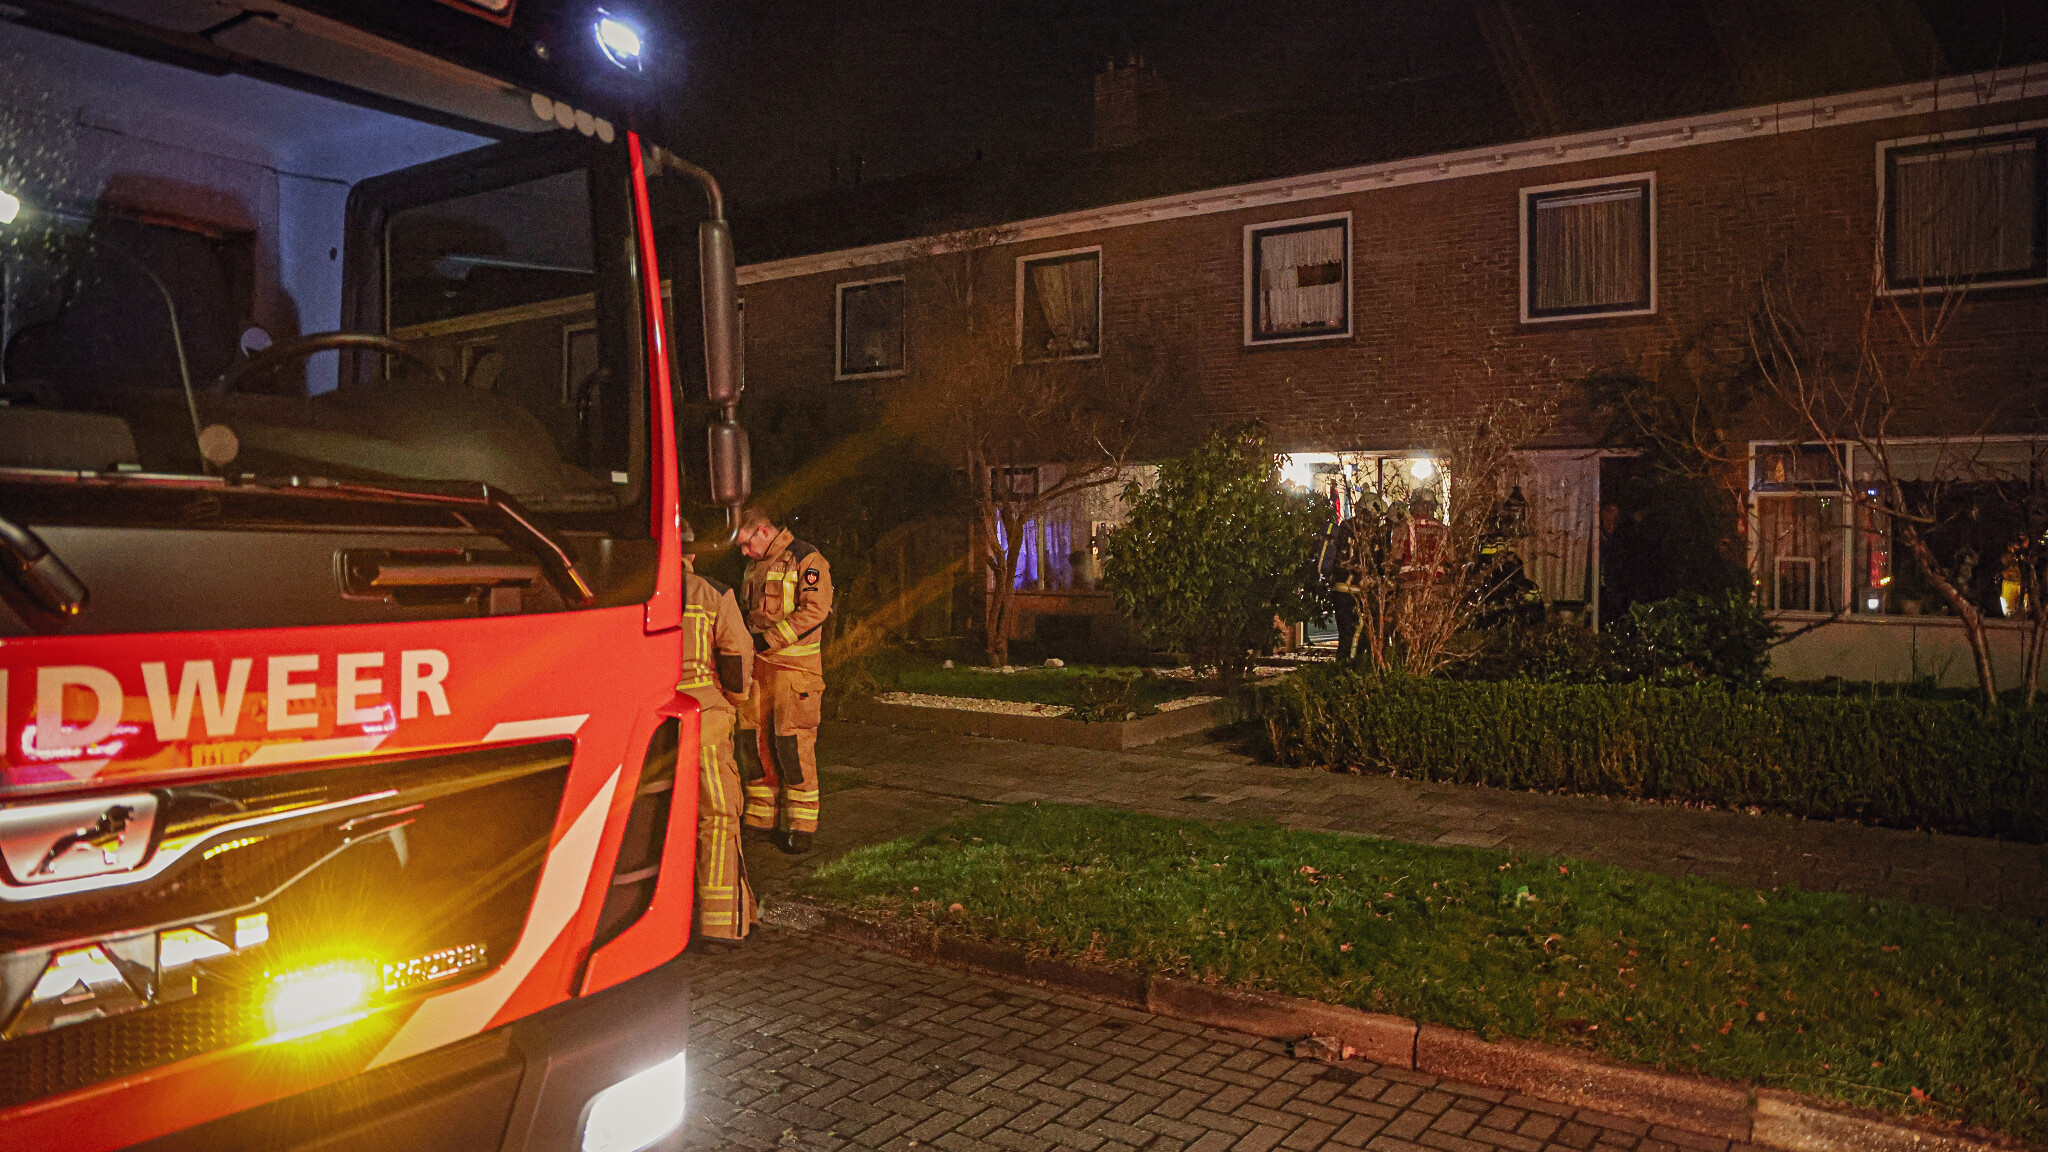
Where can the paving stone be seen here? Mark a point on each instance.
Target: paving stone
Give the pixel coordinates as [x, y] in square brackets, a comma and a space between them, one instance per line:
[755, 1088]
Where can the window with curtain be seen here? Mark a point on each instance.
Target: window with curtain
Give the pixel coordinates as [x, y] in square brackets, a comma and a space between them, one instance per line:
[1799, 549]
[1965, 213]
[1299, 280]
[1589, 251]
[870, 329]
[1062, 304]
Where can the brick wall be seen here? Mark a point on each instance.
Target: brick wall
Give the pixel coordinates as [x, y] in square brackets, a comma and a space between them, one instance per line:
[1435, 295]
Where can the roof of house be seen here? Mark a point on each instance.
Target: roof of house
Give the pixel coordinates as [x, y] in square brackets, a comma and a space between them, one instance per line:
[1635, 64]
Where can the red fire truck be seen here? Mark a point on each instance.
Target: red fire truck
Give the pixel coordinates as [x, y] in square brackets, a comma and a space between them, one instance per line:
[340, 499]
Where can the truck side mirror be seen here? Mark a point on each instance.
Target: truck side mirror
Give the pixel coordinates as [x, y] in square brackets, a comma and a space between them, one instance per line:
[732, 470]
[724, 375]
[732, 474]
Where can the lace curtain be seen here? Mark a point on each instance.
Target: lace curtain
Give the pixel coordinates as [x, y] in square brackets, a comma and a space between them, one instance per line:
[1301, 280]
[1589, 251]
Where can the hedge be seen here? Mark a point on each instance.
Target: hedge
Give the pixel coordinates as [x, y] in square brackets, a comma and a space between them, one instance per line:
[1939, 764]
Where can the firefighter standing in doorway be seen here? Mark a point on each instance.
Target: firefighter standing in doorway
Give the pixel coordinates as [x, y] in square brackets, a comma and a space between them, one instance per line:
[787, 595]
[716, 667]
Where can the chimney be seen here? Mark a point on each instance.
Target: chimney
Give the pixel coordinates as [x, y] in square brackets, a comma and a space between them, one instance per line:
[1130, 100]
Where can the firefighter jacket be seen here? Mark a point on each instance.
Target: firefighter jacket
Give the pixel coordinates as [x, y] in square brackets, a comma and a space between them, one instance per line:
[1334, 562]
[717, 652]
[787, 596]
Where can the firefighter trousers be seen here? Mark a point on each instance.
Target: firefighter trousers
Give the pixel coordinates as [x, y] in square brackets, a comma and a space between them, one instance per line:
[725, 902]
[781, 774]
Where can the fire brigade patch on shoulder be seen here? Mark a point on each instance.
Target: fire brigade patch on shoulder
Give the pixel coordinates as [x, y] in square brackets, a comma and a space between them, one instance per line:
[811, 577]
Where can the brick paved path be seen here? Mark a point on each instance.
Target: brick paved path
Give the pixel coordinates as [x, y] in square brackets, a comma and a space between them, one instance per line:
[816, 1049]
[922, 778]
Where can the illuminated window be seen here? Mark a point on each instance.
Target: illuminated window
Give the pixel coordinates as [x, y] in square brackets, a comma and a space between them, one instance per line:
[1823, 538]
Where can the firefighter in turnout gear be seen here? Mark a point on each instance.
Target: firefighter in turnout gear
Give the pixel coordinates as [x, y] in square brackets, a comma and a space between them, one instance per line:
[716, 671]
[787, 595]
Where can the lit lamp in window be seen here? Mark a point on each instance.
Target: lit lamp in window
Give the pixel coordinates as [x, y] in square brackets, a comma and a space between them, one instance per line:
[1876, 568]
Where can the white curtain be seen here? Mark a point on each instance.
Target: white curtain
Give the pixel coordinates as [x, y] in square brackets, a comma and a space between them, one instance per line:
[1964, 212]
[1589, 250]
[1563, 491]
[1288, 304]
[1067, 299]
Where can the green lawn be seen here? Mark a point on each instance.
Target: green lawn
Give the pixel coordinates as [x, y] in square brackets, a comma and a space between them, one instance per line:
[1876, 1003]
[896, 671]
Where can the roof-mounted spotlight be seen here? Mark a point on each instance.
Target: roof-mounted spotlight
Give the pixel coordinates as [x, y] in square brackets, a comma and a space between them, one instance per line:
[619, 40]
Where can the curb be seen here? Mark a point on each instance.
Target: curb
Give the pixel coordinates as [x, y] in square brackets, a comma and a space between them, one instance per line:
[1719, 1109]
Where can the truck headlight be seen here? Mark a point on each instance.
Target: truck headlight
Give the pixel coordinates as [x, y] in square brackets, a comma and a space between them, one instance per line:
[314, 999]
[638, 1110]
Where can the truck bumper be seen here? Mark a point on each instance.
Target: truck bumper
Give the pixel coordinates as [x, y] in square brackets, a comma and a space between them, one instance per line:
[525, 1087]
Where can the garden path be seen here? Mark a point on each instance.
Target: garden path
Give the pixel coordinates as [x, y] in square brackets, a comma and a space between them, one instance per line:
[885, 782]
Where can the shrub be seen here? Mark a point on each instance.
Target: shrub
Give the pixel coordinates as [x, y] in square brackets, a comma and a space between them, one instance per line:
[1914, 763]
[1108, 697]
[1216, 551]
[1693, 639]
[1683, 639]
[1547, 651]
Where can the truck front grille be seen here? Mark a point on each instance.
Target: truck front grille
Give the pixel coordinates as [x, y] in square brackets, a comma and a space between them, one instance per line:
[412, 874]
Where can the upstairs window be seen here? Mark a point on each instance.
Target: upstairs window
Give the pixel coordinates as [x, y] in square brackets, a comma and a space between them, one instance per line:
[1969, 212]
[870, 340]
[1059, 305]
[1298, 280]
[1589, 249]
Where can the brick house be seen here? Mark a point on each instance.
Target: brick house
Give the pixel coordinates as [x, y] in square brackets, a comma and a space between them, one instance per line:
[1347, 307]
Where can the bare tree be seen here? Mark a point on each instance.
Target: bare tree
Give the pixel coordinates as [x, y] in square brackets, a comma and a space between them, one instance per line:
[1964, 516]
[1422, 578]
[1027, 436]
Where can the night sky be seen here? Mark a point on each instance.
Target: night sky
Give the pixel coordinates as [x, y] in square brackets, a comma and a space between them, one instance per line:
[789, 98]
[783, 90]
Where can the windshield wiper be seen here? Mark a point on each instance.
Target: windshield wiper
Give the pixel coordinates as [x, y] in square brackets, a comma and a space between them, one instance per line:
[490, 508]
[500, 511]
[47, 579]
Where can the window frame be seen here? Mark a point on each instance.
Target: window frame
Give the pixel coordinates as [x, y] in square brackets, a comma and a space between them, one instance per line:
[1850, 456]
[1101, 328]
[839, 374]
[1529, 197]
[1250, 284]
[1939, 141]
[1766, 583]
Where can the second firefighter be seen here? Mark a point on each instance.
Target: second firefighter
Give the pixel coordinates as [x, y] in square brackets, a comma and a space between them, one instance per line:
[787, 595]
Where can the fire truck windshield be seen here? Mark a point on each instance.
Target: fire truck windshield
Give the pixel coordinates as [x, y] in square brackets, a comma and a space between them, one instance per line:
[181, 240]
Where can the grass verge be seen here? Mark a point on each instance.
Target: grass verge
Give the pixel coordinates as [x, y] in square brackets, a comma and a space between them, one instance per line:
[1880, 1004]
[1075, 687]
